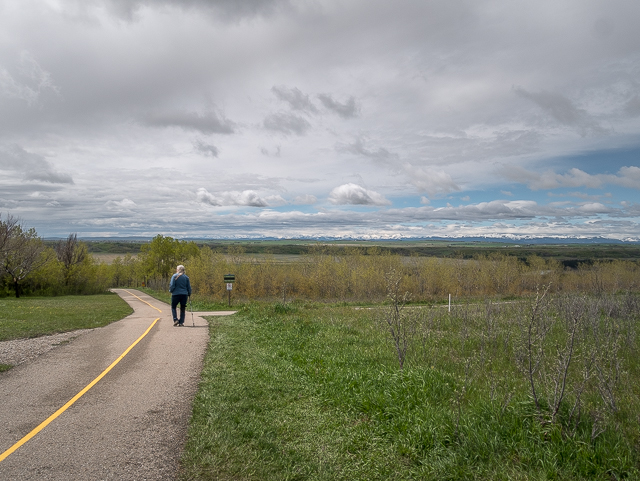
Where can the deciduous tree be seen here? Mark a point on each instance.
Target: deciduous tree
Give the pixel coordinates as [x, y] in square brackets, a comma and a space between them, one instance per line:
[22, 251]
[70, 253]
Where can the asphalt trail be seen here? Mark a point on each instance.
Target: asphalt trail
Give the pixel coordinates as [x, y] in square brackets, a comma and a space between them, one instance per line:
[131, 425]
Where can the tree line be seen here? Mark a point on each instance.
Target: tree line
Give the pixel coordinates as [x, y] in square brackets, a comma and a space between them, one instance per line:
[353, 274]
[360, 274]
[28, 266]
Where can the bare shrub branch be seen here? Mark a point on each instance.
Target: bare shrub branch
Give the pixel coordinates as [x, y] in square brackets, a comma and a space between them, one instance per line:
[401, 324]
[535, 324]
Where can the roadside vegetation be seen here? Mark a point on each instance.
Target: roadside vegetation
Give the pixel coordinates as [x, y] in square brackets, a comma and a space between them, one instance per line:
[358, 274]
[326, 272]
[28, 266]
[40, 316]
[346, 362]
[315, 391]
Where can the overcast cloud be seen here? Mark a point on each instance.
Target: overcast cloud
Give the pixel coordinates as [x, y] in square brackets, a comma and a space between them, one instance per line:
[289, 118]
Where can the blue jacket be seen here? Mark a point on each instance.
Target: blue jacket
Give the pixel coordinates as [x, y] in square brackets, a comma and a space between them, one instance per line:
[180, 285]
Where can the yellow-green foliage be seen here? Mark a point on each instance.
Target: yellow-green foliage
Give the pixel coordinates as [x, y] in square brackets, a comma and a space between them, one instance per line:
[161, 256]
[126, 271]
[359, 274]
[87, 277]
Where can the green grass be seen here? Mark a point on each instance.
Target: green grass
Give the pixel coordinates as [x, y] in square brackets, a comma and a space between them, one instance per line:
[5, 367]
[312, 392]
[39, 316]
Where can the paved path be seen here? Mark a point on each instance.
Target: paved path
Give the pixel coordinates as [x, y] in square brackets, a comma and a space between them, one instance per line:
[129, 425]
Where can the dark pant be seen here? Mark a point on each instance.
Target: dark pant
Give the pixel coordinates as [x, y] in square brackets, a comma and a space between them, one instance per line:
[182, 300]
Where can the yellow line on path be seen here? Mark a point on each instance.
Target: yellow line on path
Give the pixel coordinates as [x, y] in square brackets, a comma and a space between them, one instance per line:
[142, 300]
[44, 424]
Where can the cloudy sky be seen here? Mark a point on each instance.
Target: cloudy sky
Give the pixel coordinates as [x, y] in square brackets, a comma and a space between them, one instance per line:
[365, 118]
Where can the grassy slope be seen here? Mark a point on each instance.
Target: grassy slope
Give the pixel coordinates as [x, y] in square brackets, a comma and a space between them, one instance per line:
[40, 316]
[315, 393]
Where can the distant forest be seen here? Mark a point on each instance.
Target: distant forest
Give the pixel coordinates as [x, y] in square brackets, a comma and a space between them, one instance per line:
[570, 255]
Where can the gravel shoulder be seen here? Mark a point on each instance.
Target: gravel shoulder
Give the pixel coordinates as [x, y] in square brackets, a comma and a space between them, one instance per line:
[18, 351]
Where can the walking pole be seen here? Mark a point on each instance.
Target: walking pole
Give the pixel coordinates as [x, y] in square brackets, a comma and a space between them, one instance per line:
[193, 323]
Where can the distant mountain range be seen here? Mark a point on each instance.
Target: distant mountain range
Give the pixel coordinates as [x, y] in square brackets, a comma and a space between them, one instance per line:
[505, 239]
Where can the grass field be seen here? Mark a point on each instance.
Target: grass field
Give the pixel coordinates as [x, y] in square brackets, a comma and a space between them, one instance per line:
[309, 391]
[314, 392]
[39, 316]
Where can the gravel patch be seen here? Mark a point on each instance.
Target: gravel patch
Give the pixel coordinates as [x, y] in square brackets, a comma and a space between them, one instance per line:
[19, 351]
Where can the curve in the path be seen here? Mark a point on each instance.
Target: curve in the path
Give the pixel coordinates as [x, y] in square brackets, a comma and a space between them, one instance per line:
[130, 425]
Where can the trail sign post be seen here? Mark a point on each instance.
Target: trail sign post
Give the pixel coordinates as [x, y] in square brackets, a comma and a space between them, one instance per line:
[229, 279]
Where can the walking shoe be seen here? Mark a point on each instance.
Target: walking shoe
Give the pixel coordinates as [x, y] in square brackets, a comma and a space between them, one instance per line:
[175, 323]
[181, 325]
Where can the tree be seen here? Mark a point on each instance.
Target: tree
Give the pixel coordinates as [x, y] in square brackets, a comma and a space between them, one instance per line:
[21, 251]
[161, 256]
[70, 253]
[7, 229]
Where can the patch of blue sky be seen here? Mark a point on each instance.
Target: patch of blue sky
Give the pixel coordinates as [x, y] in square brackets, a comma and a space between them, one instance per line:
[605, 161]
[606, 194]
[582, 196]
[304, 208]
[400, 202]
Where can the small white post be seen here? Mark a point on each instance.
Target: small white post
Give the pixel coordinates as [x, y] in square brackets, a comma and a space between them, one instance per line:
[449, 302]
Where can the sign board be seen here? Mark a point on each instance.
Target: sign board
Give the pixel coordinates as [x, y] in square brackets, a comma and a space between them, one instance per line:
[229, 286]
[229, 278]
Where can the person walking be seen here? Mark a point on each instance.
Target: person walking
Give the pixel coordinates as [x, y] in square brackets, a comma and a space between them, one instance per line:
[180, 289]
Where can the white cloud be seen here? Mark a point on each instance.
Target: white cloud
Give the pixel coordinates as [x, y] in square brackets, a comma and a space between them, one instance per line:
[287, 123]
[32, 80]
[433, 182]
[275, 200]
[247, 198]
[295, 98]
[306, 199]
[8, 204]
[33, 167]
[122, 205]
[353, 194]
[628, 176]
[563, 111]
[594, 208]
[116, 100]
[232, 11]
[380, 155]
[207, 123]
[206, 148]
[345, 110]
